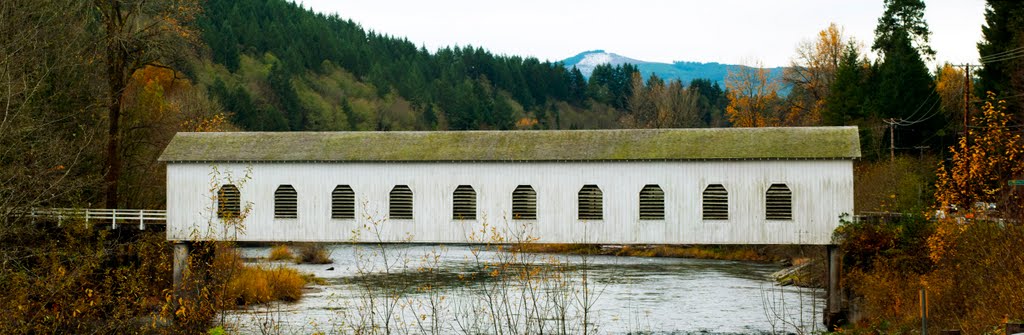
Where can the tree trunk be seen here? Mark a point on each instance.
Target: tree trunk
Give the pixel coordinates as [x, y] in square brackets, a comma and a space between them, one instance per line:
[116, 82]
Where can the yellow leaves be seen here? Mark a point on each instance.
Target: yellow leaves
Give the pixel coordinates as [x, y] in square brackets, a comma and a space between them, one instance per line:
[217, 122]
[526, 123]
[753, 97]
[982, 161]
[810, 75]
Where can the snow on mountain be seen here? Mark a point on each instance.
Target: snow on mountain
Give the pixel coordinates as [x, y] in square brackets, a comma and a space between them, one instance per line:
[684, 71]
[587, 61]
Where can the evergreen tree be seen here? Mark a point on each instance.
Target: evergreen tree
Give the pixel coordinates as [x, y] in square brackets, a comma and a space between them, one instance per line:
[903, 20]
[904, 89]
[577, 87]
[711, 103]
[1002, 52]
[848, 93]
[281, 84]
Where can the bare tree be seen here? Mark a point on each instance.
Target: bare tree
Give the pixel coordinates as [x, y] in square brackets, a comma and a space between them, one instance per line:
[46, 115]
[137, 33]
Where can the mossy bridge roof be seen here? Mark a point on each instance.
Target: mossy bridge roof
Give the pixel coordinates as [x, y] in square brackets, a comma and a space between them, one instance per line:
[541, 145]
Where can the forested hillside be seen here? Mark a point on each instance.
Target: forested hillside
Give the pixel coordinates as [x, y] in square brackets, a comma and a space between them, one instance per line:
[277, 66]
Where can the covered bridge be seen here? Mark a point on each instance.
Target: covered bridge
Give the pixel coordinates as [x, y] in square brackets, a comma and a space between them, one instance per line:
[649, 186]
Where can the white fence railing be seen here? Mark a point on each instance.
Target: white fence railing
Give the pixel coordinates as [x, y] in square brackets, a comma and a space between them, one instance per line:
[142, 216]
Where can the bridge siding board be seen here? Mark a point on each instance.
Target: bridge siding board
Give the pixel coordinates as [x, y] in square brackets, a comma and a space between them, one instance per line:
[822, 190]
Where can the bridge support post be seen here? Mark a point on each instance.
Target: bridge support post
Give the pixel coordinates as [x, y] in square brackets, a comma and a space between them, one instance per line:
[181, 268]
[834, 315]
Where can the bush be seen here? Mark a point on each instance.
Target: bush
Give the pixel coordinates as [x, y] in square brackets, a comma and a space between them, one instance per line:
[250, 286]
[902, 185]
[257, 285]
[977, 282]
[314, 253]
[281, 253]
[286, 284]
[76, 279]
[901, 240]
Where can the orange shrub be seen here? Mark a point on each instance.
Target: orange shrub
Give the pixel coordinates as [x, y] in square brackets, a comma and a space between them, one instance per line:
[281, 253]
[250, 286]
[257, 285]
[286, 283]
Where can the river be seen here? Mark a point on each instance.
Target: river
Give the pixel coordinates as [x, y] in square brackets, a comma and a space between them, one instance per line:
[457, 287]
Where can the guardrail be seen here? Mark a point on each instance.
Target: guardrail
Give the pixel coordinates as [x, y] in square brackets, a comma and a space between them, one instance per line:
[142, 216]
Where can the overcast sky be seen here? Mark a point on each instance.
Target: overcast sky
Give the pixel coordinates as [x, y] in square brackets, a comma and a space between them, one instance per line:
[725, 31]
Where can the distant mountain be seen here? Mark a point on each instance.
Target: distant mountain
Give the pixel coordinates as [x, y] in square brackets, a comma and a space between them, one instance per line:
[684, 71]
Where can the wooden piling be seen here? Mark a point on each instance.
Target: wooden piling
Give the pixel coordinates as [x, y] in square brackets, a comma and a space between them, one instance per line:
[834, 314]
[181, 268]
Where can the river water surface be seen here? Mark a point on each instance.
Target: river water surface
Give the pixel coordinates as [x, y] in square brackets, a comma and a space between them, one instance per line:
[626, 294]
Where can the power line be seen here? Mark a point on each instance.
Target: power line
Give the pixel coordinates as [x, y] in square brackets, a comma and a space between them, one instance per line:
[1003, 58]
[921, 105]
[901, 122]
[1001, 53]
[935, 111]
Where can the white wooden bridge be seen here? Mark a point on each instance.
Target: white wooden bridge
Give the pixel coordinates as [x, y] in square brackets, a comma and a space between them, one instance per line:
[114, 217]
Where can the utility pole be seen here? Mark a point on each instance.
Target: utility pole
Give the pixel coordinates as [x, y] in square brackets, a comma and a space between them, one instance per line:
[967, 101]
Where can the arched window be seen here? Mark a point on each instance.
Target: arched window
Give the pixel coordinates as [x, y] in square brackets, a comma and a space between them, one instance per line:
[343, 203]
[229, 202]
[652, 203]
[590, 203]
[286, 202]
[400, 204]
[716, 203]
[778, 203]
[524, 203]
[464, 203]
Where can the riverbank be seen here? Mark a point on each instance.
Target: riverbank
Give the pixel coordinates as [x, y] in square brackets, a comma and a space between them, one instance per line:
[804, 264]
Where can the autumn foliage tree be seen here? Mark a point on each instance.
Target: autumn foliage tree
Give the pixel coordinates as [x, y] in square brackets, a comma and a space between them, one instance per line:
[753, 97]
[983, 161]
[968, 261]
[976, 251]
[159, 102]
[135, 34]
[811, 74]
